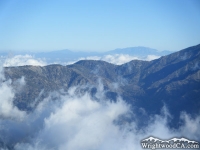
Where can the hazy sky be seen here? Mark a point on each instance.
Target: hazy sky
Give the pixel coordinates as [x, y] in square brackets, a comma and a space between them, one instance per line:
[98, 25]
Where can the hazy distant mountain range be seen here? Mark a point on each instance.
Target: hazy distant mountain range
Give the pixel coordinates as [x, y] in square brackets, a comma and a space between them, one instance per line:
[61, 56]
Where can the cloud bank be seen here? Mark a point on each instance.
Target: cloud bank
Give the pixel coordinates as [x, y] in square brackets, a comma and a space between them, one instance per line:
[22, 60]
[117, 59]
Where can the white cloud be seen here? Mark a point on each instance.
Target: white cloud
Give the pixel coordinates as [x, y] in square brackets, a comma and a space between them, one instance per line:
[86, 125]
[151, 57]
[191, 126]
[117, 59]
[79, 122]
[120, 59]
[21, 60]
[7, 109]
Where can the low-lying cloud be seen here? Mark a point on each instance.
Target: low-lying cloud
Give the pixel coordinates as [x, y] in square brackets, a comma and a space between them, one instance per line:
[76, 121]
[120, 59]
[117, 59]
[22, 60]
[7, 109]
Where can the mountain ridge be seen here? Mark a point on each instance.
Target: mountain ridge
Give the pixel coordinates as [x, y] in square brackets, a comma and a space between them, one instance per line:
[172, 80]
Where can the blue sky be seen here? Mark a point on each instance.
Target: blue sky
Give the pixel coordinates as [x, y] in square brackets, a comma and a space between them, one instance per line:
[93, 25]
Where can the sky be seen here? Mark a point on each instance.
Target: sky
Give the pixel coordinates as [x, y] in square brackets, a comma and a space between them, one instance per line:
[99, 25]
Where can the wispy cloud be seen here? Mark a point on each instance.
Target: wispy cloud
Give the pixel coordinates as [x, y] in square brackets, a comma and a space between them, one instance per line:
[7, 108]
[22, 60]
[117, 59]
